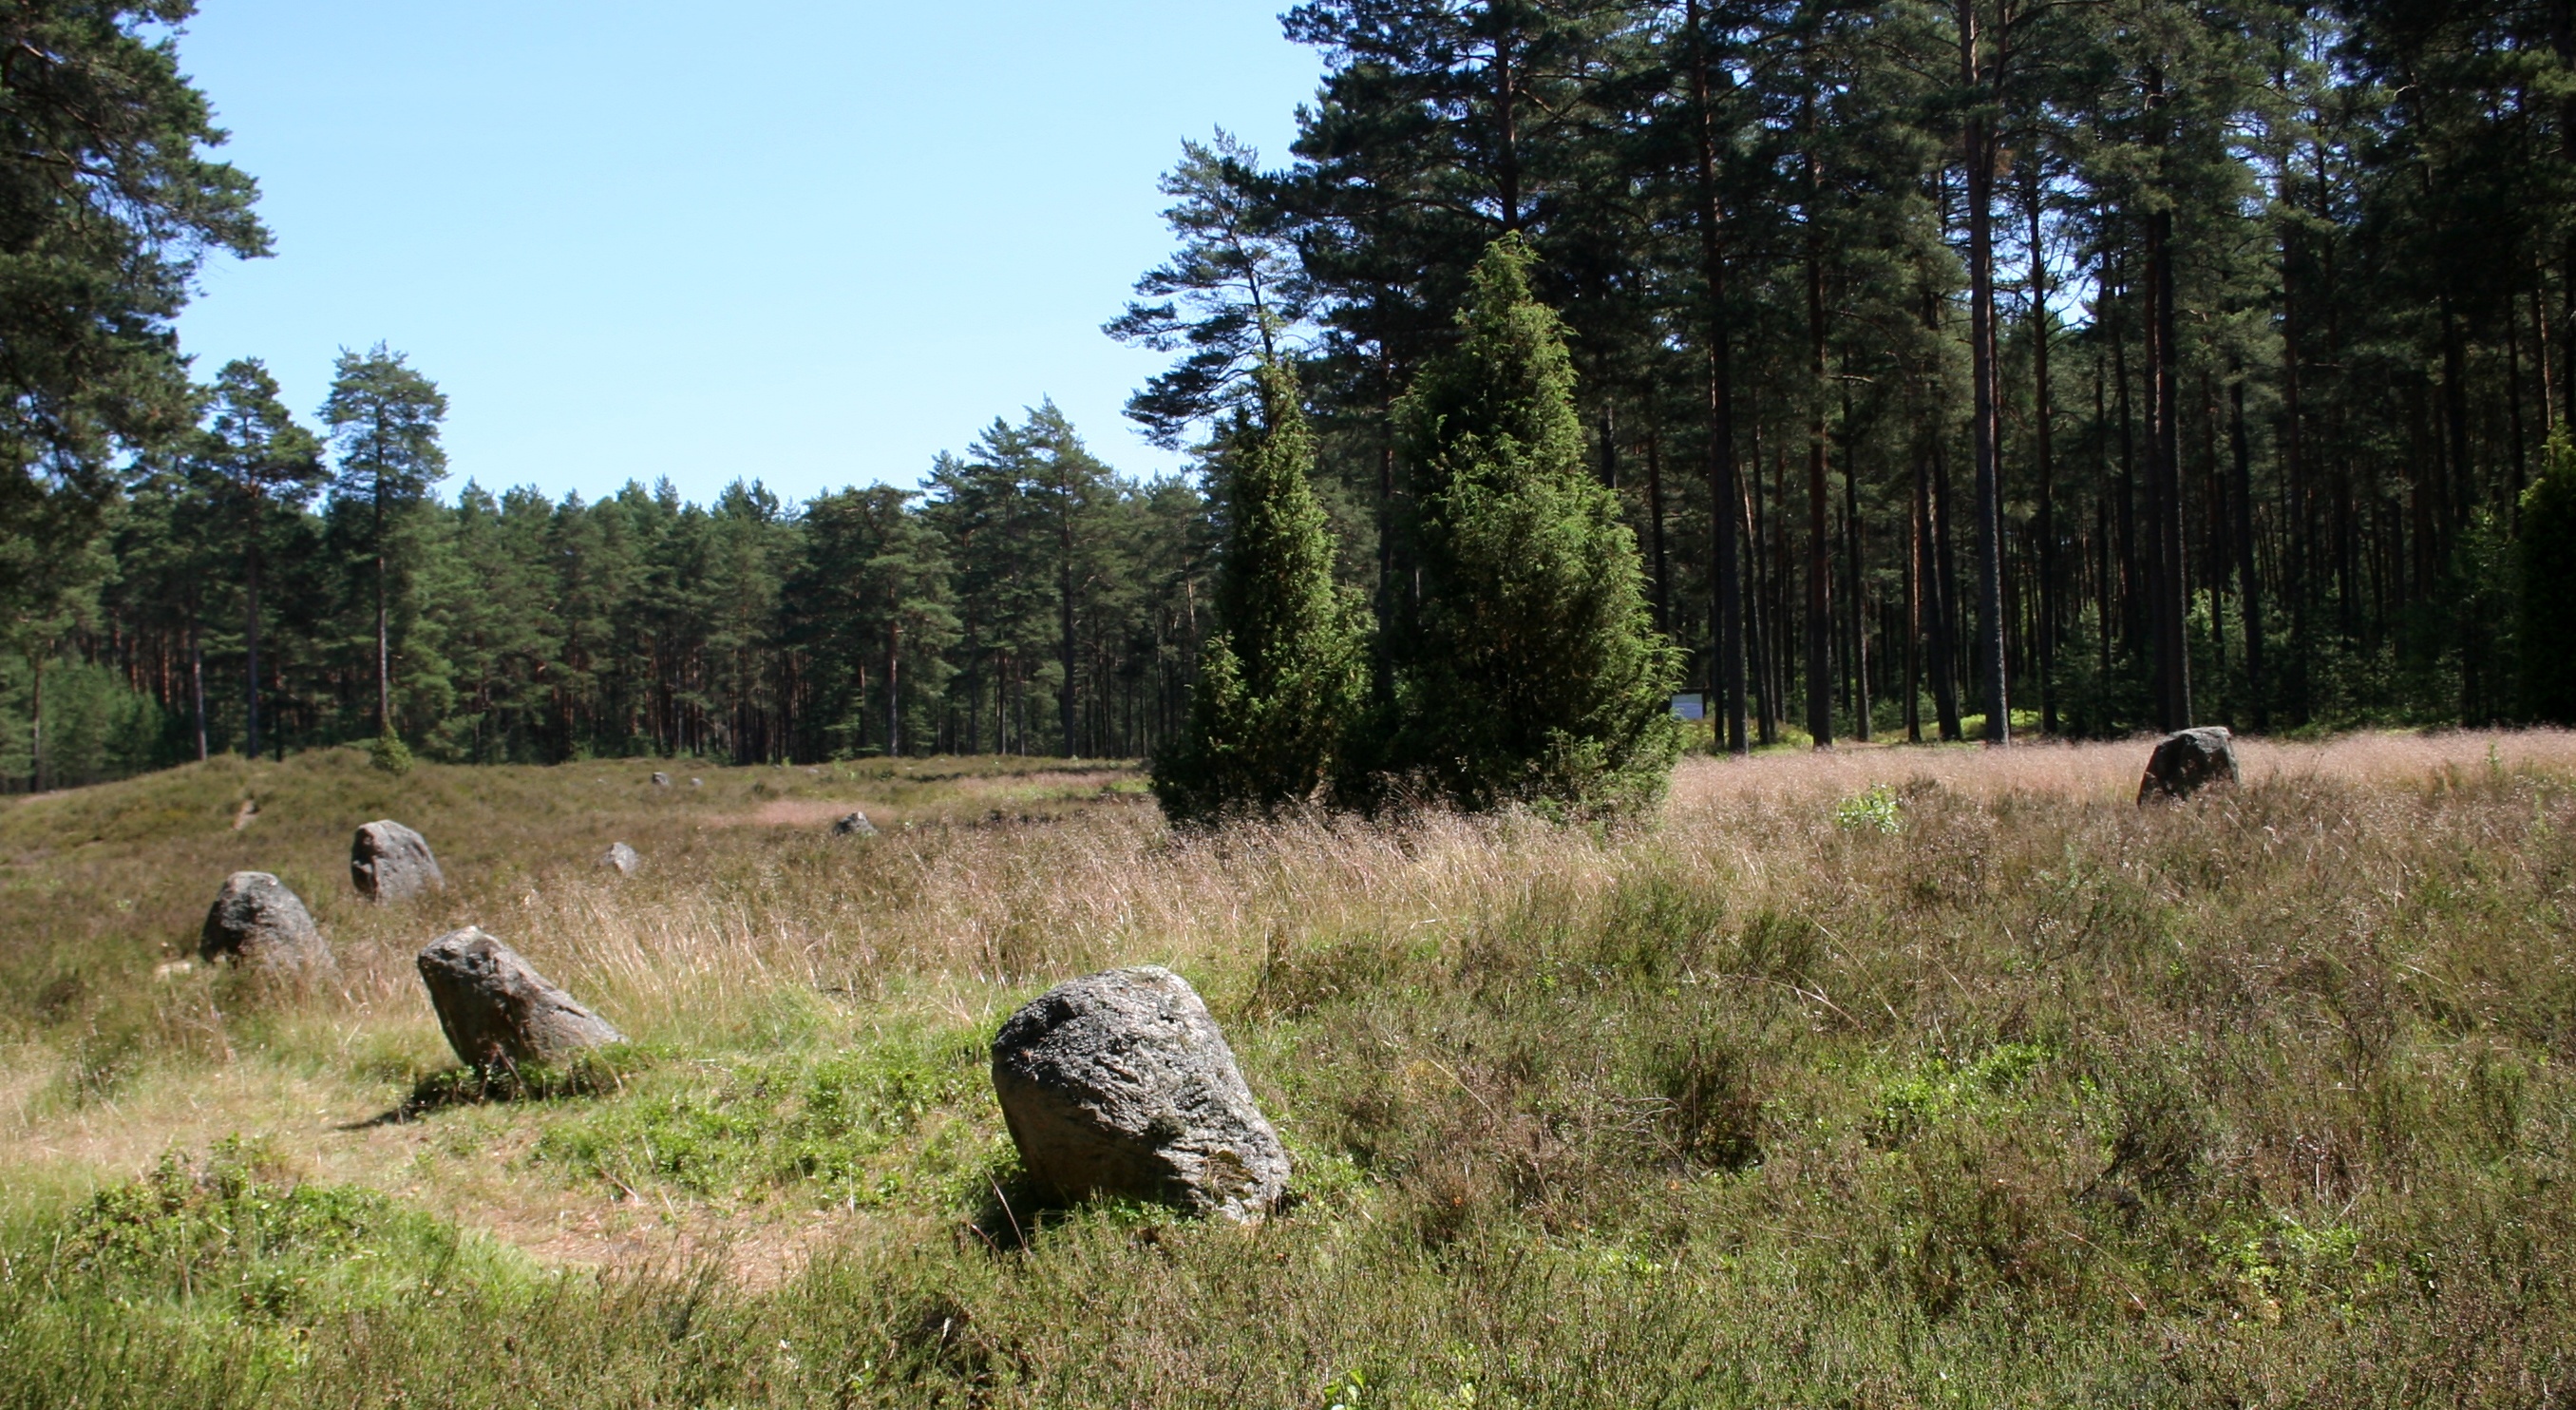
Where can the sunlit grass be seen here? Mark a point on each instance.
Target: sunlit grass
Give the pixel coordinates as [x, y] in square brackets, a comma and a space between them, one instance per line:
[1890, 1075]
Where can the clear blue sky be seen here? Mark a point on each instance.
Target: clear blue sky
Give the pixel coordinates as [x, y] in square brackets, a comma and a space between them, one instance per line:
[804, 242]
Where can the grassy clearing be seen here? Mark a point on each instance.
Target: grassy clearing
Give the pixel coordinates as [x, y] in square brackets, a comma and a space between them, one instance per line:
[1898, 1076]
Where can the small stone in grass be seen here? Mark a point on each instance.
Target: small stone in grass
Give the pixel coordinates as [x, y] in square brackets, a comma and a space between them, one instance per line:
[2188, 761]
[621, 859]
[390, 862]
[257, 922]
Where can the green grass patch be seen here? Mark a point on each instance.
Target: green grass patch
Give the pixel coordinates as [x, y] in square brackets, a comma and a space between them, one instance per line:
[865, 1125]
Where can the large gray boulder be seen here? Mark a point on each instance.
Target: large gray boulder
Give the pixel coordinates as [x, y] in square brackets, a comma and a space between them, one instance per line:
[498, 1011]
[853, 825]
[1118, 1083]
[390, 862]
[258, 923]
[2188, 761]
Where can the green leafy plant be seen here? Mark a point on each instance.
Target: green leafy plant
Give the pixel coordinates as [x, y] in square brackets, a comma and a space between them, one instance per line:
[1876, 810]
[390, 754]
[235, 1224]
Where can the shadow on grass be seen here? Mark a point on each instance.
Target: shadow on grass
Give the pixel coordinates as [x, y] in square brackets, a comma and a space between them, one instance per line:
[602, 1073]
[1014, 1209]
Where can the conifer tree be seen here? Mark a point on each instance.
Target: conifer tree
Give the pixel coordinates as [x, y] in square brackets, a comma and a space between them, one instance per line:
[1529, 669]
[2548, 570]
[265, 463]
[383, 417]
[1280, 687]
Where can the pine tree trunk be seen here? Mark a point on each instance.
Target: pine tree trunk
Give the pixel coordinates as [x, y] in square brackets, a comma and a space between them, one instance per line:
[1820, 687]
[1064, 602]
[1917, 529]
[2044, 463]
[2173, 645]
[1980, 162]
[1655, 516]
[1852, 556]
[2164, 480]
[384, 640]
[1728, 606]
[250, 639]
[197, 676]
[36, 726]
[1945, 598]
[2250, 585]
[2294, 490]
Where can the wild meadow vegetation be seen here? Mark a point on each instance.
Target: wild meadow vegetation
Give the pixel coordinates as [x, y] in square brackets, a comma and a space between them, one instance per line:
[1883, 1077]
[1612, 1073]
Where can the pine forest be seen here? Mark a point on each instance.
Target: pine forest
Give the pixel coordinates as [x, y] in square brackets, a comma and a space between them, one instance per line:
[2004, 368]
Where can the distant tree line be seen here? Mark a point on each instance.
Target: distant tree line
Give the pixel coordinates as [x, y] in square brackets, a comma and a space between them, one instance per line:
[188, 569]
[1028, 601]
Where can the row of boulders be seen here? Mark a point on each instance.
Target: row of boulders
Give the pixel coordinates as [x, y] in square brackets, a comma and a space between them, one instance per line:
[495, 1008]
[1116, 1083]
[258, 922]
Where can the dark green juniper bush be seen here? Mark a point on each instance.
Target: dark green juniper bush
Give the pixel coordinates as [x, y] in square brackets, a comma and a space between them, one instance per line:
[1282, 684]
[1527, 668]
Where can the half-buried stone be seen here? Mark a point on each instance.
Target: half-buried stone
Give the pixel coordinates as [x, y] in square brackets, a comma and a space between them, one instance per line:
[258, 923]
[620, 859]
[1119, 1083]
[498, 1012]
[390, 862]
[853, 825]
[2188, 761]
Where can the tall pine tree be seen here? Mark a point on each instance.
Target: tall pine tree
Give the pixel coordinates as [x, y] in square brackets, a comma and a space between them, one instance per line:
[1282, 685]
[2548, 583]
[1528, 670]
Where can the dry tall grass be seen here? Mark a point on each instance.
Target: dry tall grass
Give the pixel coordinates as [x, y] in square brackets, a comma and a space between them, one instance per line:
[1988, 1084]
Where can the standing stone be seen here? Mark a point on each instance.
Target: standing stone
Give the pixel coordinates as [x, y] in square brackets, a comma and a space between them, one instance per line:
[620, 859]
[390, 862]
[2186, 762]
[497, 1010]
[1119, 1083]
[661, 779]
[257, 922]
[854, 825]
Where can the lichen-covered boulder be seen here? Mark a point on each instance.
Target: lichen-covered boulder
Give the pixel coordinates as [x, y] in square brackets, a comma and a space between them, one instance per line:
[390, 862]
[1119, 1083]
[500, 1013]
[258, 923]
[2188, 761]
[853, 825]
[621, 859]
